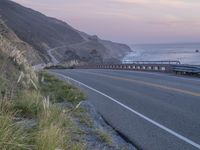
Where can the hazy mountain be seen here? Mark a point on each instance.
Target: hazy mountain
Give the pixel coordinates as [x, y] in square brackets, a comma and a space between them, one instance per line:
[44, 33]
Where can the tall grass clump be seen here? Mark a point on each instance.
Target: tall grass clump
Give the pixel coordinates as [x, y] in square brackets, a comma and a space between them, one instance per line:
[56, 138]
[50, 138]
[12, 137]
[54, 116]
[54, 130]
[28, 103]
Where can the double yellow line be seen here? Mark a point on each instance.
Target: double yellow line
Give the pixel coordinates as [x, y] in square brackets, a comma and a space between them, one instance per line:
[147, 84]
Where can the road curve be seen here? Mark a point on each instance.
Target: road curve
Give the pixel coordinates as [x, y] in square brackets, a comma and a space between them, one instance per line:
[154, 111]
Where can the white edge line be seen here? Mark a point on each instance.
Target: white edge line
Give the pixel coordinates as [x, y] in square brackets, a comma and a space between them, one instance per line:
[137, 113]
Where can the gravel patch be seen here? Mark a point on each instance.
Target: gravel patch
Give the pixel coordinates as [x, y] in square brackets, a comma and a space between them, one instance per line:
[97, 133]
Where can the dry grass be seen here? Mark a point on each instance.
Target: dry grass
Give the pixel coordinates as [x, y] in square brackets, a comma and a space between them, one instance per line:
[55, 130]
[54, 116]
[50, 138]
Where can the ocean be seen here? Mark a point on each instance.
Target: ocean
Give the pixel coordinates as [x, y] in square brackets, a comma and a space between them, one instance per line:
[185, 53]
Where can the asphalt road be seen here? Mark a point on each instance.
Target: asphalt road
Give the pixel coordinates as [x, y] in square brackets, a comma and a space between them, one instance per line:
[154, 111]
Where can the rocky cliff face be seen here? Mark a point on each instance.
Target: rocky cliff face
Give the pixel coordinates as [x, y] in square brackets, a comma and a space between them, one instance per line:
[44, 33]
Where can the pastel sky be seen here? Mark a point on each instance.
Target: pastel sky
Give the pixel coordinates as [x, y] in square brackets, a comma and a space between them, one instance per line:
[129, 21]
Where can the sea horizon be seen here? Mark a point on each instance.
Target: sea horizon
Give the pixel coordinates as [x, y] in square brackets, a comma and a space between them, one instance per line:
[186, 53]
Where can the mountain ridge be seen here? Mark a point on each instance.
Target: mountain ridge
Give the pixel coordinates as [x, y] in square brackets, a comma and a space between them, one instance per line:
[44, 33]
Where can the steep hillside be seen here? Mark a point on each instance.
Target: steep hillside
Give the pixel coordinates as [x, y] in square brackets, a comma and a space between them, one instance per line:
[7, 36]
[45, 33]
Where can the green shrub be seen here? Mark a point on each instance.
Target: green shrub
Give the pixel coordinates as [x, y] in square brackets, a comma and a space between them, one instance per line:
[28, 103]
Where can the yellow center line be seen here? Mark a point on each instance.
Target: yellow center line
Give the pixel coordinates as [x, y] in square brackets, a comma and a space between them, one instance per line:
[147, 84]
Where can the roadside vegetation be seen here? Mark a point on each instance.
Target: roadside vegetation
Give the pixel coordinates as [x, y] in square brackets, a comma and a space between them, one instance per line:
[58, 90]
[54, 128]
[28, 96]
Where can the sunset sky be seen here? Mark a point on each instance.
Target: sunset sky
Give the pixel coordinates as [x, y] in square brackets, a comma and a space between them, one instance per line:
[129, 21]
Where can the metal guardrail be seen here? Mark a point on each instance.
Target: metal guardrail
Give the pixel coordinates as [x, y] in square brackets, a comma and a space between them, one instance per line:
[152, 62]
[153, 66]
[186, 69]
[150, 67]
[137, 67]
